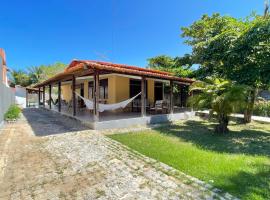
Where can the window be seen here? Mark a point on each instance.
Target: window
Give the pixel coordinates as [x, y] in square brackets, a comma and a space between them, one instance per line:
[103, 89]
[90, 90]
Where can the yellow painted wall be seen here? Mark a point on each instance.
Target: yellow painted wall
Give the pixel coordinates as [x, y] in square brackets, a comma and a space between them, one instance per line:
[118, 90]
[121, 88]
[66, 92]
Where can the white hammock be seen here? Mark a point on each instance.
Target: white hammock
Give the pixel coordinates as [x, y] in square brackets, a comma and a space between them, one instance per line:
[102, 107]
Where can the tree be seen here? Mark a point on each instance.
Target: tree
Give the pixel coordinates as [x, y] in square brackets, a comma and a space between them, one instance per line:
[221, 96]
[51, 70]
[36, 74]
[250, 60]
[179, 66]
[266, 10]
[233, 49]
[20, 78]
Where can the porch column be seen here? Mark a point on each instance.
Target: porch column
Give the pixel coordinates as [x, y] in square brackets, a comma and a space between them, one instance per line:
[96, 96]
[50, 96]
[143, 106]
[191, 94]
[39, 97]
[182, 95]
[59, 96]
[74, 95]
[26, 98]
[171, 97]
[43, 96]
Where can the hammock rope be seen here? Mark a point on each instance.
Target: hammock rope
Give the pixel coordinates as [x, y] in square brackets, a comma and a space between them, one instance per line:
[102, 107]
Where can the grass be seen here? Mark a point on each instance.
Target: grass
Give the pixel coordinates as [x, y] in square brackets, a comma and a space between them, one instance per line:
[13, 113]
[238, 163]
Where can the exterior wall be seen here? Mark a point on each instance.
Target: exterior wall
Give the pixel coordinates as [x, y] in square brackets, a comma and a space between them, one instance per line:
[66, 92]
[118, 89]
[121, 88]
[7, 96]
[3, 67]
[20, 96]
[112, 89]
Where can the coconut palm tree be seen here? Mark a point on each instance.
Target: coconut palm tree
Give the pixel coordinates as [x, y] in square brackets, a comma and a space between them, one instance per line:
[35, 74]
[20, 77]
[221, 97]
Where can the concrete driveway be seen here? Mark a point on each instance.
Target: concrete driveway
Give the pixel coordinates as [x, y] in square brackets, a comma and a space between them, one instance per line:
[47, 156]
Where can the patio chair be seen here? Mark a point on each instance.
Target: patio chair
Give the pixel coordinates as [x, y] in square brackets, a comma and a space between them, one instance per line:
[160, 106]
[136, 105]
[79, 106]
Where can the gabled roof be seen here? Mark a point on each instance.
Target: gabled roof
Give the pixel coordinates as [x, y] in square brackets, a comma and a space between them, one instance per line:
[88, 67]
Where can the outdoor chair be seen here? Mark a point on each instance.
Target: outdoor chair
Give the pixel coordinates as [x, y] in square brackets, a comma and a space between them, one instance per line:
[136, 105]
[160, 106]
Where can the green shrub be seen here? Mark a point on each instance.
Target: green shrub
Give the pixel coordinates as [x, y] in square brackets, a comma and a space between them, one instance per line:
[12, 113]
[262, 109]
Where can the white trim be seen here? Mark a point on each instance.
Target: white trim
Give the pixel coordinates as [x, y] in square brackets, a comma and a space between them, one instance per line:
[158, 80]
[103, 76]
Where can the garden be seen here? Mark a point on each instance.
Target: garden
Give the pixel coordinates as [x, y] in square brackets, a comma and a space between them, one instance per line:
[237, 162]
[230, 63]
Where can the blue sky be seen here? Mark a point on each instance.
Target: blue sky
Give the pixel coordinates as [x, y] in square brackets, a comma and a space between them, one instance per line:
[43, 32]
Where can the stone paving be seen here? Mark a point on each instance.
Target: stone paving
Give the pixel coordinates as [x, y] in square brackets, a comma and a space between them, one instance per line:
[57, 158]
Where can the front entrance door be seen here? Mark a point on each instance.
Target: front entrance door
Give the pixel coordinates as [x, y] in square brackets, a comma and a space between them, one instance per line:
[158, 91]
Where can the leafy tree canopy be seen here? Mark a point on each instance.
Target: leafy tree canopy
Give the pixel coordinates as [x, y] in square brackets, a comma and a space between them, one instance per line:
[236, 49]
[179, 66]
[35, 74]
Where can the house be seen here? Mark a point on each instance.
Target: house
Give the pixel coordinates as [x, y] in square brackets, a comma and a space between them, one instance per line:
[7, 94]
[4, 67]
[108, 86]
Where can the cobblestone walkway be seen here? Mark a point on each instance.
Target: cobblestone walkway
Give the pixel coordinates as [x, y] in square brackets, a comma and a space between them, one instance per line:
[37, 162]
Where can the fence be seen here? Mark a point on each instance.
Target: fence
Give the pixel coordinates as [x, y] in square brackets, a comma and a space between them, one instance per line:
[7, 97]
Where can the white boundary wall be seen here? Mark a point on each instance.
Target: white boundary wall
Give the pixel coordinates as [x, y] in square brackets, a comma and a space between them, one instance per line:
[7, 97]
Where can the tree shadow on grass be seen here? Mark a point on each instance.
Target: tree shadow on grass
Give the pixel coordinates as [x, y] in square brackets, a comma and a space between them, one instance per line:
[253, 185]
[245, 140]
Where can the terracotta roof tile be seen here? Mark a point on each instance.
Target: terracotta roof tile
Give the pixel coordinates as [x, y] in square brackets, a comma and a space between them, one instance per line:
[83, 65]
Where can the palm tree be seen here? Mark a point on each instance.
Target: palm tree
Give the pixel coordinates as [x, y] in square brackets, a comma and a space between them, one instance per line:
[221, 96]
[35, 74]
[20, 78]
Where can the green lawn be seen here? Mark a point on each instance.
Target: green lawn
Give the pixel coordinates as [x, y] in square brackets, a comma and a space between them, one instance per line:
[238, 163]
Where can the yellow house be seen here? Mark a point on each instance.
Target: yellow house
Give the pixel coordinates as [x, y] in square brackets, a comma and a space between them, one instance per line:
[114, 91]
[114, 88]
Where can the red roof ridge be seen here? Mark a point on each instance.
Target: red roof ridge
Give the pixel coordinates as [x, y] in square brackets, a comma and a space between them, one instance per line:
[118, 66]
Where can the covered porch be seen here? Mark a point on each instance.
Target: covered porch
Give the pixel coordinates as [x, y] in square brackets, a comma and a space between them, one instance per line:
[110, 120]
[162, 97]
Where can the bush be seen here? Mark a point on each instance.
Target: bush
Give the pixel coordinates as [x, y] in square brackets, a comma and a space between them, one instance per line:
[262, 109]
[12, 113]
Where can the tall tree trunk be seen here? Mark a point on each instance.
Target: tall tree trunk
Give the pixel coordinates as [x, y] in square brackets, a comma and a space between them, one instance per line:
[249, 109]
[222, 127]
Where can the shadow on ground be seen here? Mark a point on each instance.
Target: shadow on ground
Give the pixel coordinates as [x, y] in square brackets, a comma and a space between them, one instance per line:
[255, 184]
[246, 140]
[44, 123]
